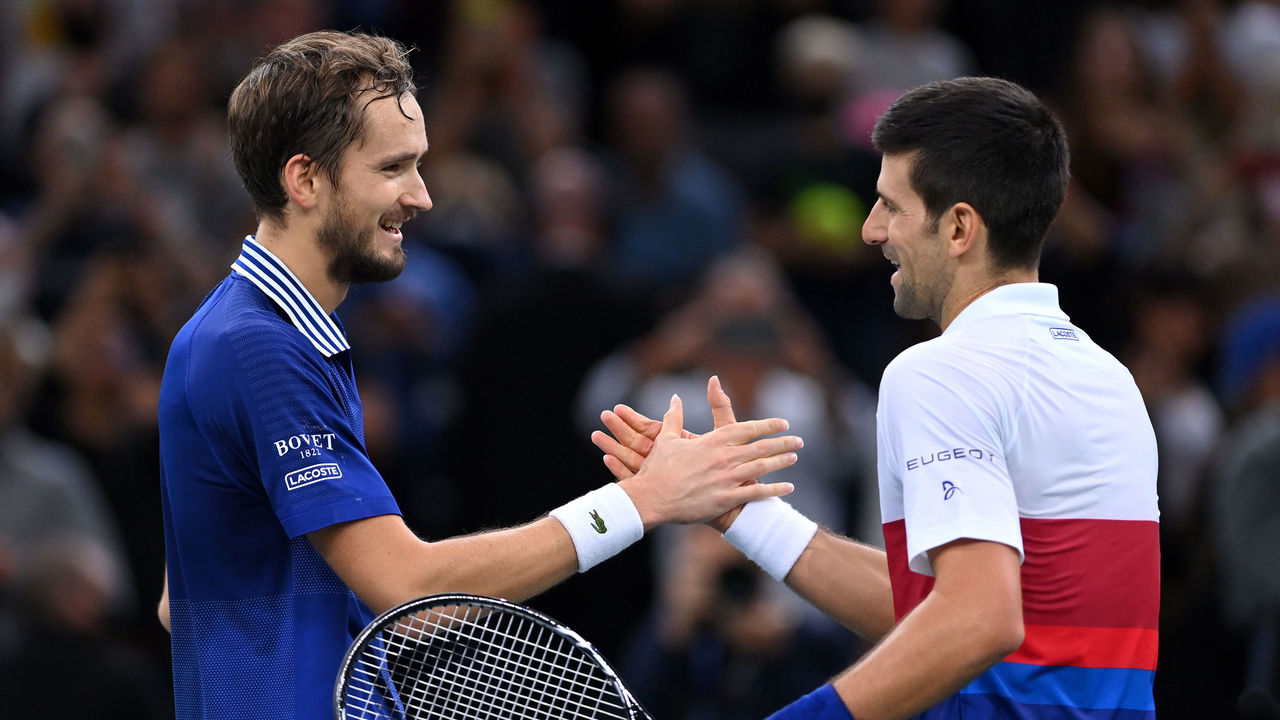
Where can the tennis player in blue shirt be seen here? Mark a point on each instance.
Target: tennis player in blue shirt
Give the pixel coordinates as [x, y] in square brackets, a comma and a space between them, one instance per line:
[281, 538]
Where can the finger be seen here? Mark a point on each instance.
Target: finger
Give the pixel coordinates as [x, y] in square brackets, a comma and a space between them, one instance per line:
[747, 430]
[625, 455]
[721, 407]
[759, 491]
[625, 433]
[763, 466]
[768, 447]
[637, 422]
[673, 421]
[643, 425]
[615, 466]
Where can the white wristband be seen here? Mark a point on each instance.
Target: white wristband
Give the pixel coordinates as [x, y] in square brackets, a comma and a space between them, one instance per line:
[772, 534]
[602, 523]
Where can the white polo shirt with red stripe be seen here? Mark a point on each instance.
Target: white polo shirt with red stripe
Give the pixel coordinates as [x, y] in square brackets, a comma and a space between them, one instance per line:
[1014, 427]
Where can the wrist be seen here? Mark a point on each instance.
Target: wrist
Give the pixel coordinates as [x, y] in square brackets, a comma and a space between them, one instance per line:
[725, 521]
[649, 516]
[772, 534]
[601, 524]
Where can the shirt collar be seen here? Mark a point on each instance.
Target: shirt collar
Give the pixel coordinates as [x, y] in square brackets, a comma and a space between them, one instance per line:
[273, 277]
[1012, 299]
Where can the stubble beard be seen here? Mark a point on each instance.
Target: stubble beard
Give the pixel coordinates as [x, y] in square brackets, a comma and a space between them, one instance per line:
[908, 305]
[917, 301]
[353, 253]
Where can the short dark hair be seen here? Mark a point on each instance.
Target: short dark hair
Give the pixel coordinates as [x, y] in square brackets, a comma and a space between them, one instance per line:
[301, 98]
[987, 142]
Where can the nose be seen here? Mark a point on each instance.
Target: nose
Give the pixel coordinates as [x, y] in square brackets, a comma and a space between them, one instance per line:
[417, 196]
[874, 229]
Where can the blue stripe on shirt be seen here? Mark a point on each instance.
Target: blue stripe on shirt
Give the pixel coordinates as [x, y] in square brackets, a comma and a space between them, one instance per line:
[1070, 687]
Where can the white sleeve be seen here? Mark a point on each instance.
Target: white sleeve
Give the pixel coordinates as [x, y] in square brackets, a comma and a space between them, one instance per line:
[944, 433]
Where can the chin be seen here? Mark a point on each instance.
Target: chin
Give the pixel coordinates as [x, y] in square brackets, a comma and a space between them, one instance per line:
[368, 268]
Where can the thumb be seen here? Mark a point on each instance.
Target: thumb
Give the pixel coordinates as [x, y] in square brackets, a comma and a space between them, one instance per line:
[673, 421]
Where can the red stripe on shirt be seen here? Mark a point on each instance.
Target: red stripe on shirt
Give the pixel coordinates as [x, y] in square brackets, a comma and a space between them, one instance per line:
[1132, 648]
[1091, 573]
[1080, 573]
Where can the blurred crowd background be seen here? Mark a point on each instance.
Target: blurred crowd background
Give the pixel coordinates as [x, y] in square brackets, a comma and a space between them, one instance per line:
[629, 195]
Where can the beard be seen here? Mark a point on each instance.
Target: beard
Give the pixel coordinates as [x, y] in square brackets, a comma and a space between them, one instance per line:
[353, 252]
[908, 303]
[922, 299]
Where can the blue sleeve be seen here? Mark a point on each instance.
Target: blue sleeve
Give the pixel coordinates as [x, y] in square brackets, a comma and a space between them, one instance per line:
[299, 423]
[821, 704]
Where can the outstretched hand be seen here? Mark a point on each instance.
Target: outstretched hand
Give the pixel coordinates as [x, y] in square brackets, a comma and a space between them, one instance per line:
[637, 439]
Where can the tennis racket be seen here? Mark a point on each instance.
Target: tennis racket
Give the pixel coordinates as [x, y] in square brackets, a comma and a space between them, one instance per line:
[467, 657]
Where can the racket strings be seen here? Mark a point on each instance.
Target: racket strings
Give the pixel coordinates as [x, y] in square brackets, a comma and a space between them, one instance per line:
[477, 665]
[472, 690]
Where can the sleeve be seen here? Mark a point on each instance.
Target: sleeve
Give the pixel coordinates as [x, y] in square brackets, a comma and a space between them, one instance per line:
[300, 430]
[944, 436]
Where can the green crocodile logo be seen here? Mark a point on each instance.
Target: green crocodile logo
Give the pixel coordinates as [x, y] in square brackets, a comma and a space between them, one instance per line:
[598, 524]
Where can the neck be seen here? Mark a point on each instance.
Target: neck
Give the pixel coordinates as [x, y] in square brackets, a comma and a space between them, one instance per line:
[297, 249]
[963, 294]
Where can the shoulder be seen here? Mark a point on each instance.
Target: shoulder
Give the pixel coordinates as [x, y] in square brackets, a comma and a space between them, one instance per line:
[238, 329]
[935, 361]
[963, 372]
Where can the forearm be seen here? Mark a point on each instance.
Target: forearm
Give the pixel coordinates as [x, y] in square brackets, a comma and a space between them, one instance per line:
[513, 563]
[969, 621]
[933, 653]
[385, 564]
[848, 581]
[845, 579]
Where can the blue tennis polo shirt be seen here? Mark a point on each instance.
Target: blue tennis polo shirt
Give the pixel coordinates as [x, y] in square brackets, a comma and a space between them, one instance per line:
[261, 442]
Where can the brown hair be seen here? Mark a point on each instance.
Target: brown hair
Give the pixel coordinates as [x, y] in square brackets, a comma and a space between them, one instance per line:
[302, 98]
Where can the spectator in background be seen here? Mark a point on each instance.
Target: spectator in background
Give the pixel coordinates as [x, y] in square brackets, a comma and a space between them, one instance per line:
[1245, 499]
[47, 492]
[1152, 142]
[505, 96]
[812, 180]
[676, 209]
[407, 340]
[100, 390]
[66, 665]
[721, 643]
[903, 45]
[1169, 339]
[177, 151]
[70, 47]
[1171, 336]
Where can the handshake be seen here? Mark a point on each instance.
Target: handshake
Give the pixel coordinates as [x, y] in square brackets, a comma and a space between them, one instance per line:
[676, 476]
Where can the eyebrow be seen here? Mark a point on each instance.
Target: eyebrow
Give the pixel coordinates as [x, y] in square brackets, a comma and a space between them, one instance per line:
[398, 158]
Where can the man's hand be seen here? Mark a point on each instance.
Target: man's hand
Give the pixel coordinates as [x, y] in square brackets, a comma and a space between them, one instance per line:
[635, 436]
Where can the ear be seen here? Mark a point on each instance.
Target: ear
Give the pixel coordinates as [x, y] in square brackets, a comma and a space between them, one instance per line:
[302, 180]
[963, 228]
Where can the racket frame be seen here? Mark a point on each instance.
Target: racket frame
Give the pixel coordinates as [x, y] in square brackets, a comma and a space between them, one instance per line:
[400, 612]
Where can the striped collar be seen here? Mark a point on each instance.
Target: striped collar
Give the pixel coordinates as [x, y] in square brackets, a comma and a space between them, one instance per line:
[273, 277]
